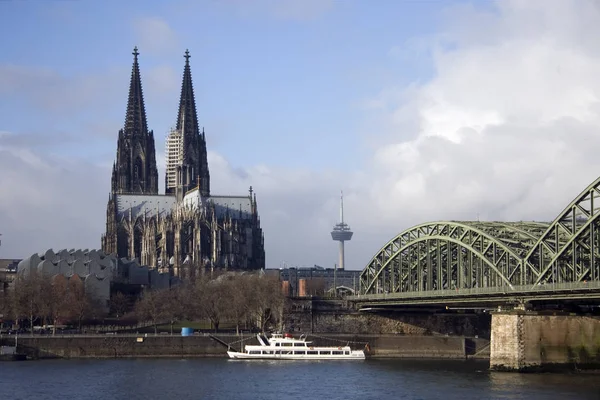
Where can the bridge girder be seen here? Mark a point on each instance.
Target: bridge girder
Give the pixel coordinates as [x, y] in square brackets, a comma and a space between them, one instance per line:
[459, 255]
[569, 249]
[450, 255]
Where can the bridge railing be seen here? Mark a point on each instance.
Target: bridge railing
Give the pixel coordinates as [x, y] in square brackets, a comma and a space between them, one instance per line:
[496, 290]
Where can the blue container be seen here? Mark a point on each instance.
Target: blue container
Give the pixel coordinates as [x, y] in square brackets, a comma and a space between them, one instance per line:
[187, 331]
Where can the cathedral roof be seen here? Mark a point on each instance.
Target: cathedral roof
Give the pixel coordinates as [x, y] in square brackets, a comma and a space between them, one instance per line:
[152, 205]
[232, 204]
[138, 204]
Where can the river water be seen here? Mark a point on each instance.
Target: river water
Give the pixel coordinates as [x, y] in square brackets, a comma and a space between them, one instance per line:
[281, 380]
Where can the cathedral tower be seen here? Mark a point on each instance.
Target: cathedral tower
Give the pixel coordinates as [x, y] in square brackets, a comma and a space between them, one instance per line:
[135, 168]
[187, 162]
[169, 232]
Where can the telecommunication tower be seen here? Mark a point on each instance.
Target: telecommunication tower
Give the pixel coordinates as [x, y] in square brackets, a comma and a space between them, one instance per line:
[341, 232]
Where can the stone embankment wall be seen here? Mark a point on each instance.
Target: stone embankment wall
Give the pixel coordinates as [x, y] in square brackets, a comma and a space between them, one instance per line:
[123, 346]
[526, 341]
[410, 346]
[120, 346]
[408, 324]
[314, 315]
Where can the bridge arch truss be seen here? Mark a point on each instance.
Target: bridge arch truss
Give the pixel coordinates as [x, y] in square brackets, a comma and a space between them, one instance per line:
[455, 255]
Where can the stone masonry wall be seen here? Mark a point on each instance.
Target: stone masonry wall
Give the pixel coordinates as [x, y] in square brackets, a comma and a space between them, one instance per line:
[403, 324]
[528, 341]
[562, 339]
[505, 349]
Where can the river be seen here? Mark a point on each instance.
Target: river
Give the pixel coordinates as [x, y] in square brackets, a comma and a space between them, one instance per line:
[278, 380]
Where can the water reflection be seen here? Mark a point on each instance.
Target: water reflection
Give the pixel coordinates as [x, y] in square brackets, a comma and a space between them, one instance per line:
[222, 379]
[545, 386]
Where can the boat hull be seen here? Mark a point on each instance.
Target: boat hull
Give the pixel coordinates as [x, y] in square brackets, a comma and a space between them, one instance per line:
[354, 355]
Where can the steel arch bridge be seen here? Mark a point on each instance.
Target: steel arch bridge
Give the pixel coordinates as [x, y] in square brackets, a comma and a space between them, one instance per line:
[447, 258]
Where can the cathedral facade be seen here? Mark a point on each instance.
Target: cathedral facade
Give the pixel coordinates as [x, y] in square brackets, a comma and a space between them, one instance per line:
[186, 230]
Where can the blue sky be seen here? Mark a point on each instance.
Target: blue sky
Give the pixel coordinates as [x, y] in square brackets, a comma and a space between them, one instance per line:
[418, 110]
[266, 84]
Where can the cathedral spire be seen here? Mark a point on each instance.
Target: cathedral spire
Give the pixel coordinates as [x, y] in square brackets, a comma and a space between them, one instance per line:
[192, 157]
[187, 120]
[135, 169]
[135, 118]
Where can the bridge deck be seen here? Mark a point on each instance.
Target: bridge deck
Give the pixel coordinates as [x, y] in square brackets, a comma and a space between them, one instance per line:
[489, 295]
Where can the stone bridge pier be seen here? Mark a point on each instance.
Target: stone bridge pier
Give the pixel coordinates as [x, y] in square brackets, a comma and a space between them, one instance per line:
[524, 341]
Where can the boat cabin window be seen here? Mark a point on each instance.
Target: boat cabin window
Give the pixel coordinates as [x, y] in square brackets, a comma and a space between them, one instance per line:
[337, 352]
[286, 344]
[313, 352]
[299, 345]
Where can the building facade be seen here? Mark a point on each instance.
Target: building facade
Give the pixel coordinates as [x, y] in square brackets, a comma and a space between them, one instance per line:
[187, 229]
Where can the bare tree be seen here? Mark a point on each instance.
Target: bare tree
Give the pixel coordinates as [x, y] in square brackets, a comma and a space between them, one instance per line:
[120, 304]
[236, 299]
[175, 304]
[208, 300]
[152, 307]
[55, 298]
[80, 303]
[27, 297]
[266, 300]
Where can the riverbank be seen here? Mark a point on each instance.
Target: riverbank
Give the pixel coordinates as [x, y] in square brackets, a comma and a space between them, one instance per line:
[205, 345]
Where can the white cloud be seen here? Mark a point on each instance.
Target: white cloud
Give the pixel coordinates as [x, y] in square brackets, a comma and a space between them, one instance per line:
[505, 126]
[154, 36]
[48, 201]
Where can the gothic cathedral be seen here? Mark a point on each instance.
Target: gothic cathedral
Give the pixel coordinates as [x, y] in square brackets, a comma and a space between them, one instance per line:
[186, 230]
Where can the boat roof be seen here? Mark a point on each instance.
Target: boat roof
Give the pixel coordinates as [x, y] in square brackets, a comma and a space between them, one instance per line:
[280, 337]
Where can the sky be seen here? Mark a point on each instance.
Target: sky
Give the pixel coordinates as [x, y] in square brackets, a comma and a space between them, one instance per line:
[418, 110]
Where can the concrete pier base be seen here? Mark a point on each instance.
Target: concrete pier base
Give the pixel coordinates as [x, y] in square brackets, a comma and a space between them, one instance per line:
[524, 341]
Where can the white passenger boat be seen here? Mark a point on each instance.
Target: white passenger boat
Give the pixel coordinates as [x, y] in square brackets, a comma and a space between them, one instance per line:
[285, 347]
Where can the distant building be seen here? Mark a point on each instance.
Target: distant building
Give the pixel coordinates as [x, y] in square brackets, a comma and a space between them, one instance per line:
[8, 273]
[9, 264]
[187, 229]
[315, 281]
[100, 274]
